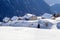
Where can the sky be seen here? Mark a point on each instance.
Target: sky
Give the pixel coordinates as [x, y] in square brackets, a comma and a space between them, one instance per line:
[52, 2]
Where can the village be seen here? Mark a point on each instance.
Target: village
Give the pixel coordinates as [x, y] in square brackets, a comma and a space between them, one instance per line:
[46, 21]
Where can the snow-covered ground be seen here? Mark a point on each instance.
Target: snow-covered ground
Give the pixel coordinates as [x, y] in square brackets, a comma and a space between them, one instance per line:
[44, 23]
[25, 33]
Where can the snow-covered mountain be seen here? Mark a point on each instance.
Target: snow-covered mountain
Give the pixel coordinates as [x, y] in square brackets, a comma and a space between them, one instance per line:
[11, 8]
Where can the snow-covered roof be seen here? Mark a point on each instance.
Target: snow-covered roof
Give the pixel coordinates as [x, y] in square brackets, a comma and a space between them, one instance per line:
[22, 23]
[28, 16]
[46, 15]
[20, 18]
[25, 33]
[14, 18]
[6, 19]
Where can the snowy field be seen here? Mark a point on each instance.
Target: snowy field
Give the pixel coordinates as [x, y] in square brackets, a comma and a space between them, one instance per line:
[25, 33]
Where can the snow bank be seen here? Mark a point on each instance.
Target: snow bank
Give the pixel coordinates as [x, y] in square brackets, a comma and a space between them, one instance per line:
[22, 33]
[45, 24]
[22, 23]
[28, 16]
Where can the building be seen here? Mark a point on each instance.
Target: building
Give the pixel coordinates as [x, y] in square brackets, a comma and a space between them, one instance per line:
[30, 17]
[47, 16]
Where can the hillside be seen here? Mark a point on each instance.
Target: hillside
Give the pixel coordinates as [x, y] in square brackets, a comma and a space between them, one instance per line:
[11, 8]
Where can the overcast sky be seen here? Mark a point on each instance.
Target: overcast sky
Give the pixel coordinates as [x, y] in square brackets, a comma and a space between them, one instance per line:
[50, 2]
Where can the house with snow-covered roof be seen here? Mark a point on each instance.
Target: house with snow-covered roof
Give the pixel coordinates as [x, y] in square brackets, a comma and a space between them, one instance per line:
[14, 18]
[47, 16]
[30, 17]
[6, 19]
